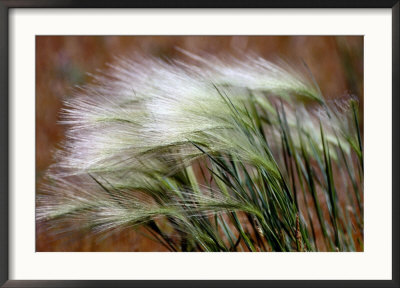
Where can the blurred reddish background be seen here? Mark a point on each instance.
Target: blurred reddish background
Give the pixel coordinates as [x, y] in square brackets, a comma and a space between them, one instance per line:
[63, 61]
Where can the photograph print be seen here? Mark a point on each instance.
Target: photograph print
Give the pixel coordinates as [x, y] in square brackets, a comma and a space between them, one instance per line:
[199, 144]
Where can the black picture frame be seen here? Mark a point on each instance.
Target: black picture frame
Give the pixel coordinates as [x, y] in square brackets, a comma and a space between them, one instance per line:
[5, 5]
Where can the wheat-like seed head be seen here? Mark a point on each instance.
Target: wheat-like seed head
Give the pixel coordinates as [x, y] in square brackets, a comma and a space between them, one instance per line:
[143, 119]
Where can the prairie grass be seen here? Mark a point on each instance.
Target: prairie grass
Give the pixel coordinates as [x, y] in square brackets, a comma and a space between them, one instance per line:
[216, 155]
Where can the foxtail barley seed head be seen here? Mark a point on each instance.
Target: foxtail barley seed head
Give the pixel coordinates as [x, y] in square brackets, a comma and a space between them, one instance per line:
[142, 121]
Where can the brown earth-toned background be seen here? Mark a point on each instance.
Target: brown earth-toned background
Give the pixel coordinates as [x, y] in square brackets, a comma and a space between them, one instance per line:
[63, 61]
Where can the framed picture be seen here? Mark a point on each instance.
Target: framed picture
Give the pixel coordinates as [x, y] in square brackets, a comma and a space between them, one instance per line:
[199, 147]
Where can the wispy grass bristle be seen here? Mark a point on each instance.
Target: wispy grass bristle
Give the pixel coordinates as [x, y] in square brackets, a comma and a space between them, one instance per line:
[230, 155]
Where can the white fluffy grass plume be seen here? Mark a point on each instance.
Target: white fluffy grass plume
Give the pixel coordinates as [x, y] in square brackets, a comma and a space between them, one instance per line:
[152, 140]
